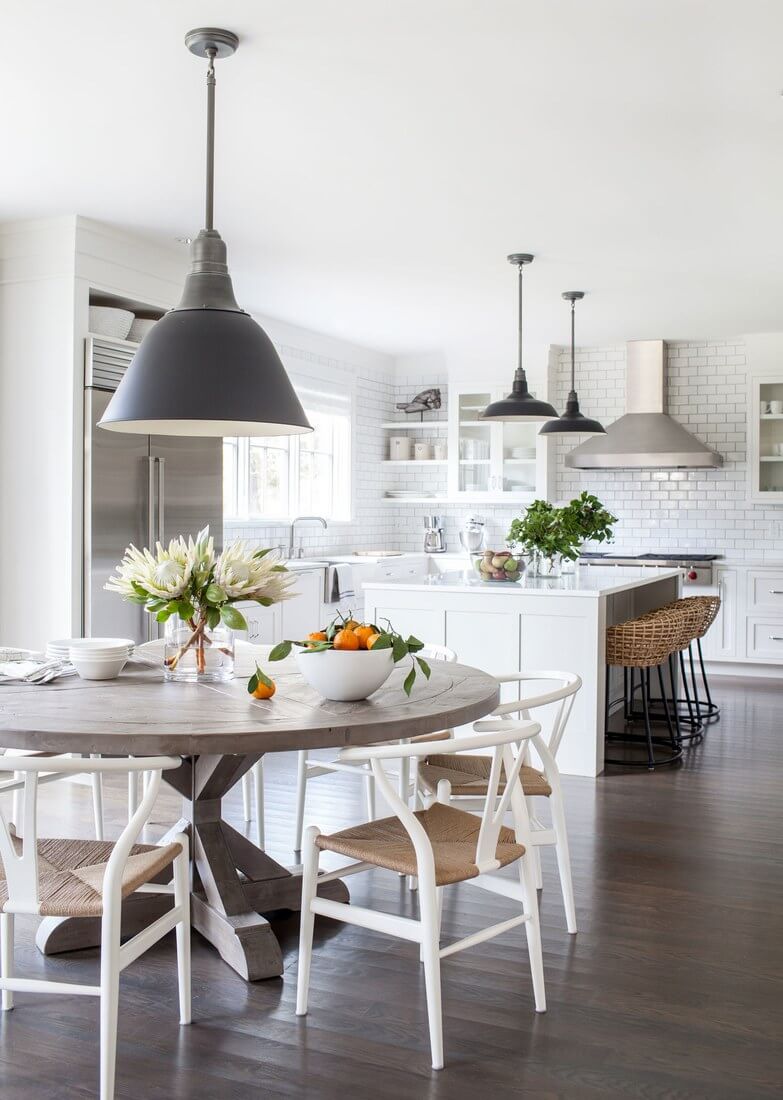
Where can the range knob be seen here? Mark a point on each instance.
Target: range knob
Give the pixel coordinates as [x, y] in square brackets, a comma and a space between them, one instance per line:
[692, 575]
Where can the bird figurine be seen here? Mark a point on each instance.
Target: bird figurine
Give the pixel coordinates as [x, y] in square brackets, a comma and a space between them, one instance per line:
[422, 402]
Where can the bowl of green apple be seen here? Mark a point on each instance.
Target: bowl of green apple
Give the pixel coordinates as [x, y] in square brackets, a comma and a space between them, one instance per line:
[498, 566]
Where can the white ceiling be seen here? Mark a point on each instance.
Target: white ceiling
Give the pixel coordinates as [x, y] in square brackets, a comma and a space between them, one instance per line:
[379, 158]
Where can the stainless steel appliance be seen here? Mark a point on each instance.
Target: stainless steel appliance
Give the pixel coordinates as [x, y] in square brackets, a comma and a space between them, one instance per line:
[137, 489]
[471, 536]
[696, 568]
[434, 539]
[646, 438]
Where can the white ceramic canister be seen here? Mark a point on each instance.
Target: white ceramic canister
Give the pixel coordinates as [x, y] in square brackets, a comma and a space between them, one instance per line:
[439, 451]
[422, 452]
[399, 448]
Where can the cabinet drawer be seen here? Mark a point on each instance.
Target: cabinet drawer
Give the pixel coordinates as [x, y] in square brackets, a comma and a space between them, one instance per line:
[765, 639]
[765, 591]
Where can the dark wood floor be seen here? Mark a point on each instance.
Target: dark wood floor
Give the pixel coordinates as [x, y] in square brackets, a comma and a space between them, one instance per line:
[672, 989]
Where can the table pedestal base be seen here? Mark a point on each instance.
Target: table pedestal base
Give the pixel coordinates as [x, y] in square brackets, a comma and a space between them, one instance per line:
[233, 881]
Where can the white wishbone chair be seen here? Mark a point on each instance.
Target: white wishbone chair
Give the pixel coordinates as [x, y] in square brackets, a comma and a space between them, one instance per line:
[89, 878]
[97, 790]
[440, 845]
[468, 775]
[307, 768]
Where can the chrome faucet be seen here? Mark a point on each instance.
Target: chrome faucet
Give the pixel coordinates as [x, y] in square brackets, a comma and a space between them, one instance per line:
[296, 552]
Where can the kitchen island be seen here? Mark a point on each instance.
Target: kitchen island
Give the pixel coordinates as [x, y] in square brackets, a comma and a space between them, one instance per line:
[537, 623]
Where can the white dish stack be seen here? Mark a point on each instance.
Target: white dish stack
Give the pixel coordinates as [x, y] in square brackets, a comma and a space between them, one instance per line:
[93, 658]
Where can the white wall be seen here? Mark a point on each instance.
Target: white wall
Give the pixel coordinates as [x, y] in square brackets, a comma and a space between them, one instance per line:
[36, 430]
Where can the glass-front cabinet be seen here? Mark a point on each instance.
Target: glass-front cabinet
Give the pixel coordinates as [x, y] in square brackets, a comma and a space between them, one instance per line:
[493, 462]
[765, 437]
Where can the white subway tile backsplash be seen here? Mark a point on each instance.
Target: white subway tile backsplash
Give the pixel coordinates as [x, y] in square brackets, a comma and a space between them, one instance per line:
[658, 510]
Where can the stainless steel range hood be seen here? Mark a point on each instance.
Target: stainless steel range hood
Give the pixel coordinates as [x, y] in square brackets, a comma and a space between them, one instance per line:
[646, 438]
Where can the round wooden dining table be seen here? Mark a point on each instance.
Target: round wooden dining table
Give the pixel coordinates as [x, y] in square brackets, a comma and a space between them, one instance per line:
[220, 731]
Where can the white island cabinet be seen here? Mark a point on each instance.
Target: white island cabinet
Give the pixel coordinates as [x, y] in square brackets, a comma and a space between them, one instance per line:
[539, 624]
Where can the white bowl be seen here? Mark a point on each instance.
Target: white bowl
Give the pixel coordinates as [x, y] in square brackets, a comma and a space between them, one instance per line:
[91, 667]
[105, 647]
[345, 675]
[109, 321]
[140, 328]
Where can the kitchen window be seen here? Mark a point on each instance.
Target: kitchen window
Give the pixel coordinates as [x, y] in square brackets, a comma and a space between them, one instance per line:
[274, 478]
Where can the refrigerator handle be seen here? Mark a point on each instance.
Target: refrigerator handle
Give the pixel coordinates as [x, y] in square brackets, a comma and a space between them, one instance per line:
[161, 495]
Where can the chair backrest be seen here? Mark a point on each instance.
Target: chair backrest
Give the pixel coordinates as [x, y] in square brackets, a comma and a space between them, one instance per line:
[506, 739]
[566, 685]
[434, 652]
[21, 866]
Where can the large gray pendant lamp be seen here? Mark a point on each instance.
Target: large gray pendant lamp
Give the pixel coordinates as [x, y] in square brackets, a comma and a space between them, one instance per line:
[207, 368]
[573, 422]
[520, 403]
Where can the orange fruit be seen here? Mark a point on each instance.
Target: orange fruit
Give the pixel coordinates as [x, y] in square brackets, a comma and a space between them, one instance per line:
[363, 633]
[372, 640]
[265, 691]
[351, 625]
[317, 636]
[345, 639]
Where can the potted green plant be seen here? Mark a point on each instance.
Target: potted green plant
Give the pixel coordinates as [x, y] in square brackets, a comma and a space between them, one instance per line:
[589, 520]
[544, 533]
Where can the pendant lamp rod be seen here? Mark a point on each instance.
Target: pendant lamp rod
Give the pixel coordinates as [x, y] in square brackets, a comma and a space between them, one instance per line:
[521, 267]
[573, 351]
[210, 195]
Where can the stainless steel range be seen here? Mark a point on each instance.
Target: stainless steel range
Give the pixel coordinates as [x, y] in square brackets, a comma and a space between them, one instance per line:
[696, 568]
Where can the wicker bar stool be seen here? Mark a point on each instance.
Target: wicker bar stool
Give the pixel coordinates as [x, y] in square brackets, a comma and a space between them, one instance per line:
[645, 643]
[705, 610]
[688, 618]
[698, 614]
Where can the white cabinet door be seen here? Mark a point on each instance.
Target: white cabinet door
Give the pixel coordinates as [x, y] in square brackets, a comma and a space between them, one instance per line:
[720, 641]
[488, 640]
[302, 614]
[426, 625]
[493, 462]
[264, 624]
[765, 436]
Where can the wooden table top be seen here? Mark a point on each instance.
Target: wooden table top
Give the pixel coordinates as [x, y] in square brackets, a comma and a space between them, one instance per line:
[141, 714]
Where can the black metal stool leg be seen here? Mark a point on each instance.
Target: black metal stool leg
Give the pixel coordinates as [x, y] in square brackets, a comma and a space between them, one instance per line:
[665, 702]
[713, 710]
[606, 702]
[673, 679]
[646, 710]
[694, 684]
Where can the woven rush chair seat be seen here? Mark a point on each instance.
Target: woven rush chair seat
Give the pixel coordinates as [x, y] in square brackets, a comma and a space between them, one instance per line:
[70, 874]
[469, 775]
[453, 834]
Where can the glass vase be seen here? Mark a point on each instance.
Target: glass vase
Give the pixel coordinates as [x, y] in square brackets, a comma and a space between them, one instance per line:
[194, 653]
[547, 565]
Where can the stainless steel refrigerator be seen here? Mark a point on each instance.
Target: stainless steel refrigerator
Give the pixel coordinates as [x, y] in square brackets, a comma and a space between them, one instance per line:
[137, 489]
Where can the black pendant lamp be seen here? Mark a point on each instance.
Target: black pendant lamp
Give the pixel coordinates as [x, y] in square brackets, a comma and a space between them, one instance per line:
[572, 421]
[207, 368]
[520, 403]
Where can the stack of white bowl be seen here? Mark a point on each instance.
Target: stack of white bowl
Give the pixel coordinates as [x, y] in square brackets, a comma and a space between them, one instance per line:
[93, 658]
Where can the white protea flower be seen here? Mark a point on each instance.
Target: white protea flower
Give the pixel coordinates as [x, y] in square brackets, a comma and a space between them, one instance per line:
[166, 574]
[243, 575]
[202, 555]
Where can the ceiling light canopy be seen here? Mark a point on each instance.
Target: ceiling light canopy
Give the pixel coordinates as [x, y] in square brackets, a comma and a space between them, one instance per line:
[207, 368]
[573, 421]
[520, 403]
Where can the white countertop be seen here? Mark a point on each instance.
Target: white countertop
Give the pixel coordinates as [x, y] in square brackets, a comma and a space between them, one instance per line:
[592, 583]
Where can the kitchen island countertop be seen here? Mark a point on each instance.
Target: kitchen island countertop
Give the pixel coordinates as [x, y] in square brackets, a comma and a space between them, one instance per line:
[592, 583]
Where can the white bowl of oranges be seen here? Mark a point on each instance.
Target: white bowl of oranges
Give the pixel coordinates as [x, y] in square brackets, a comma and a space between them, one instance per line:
[349, 669]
